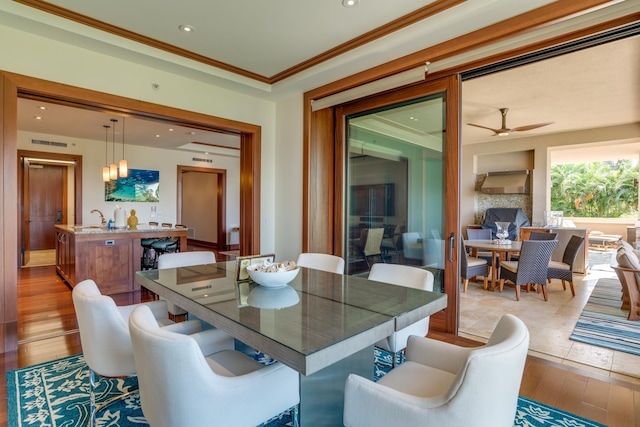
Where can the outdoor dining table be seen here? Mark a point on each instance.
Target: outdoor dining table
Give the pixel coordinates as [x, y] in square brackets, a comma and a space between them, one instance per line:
[501, 251]
[325, 328]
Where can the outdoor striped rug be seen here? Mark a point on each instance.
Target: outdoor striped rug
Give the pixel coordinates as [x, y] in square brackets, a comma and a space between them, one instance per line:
[602, 323]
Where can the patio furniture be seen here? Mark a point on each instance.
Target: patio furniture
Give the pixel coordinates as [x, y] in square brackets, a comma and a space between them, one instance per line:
[515, 216]
[563, 270]
[472, 267]
[531, 268]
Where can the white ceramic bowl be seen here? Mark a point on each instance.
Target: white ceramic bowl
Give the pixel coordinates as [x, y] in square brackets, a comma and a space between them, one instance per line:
[275, 279]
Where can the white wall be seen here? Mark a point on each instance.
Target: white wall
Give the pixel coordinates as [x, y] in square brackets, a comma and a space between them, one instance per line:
[288, 178]
[165, 161]
[35, 56]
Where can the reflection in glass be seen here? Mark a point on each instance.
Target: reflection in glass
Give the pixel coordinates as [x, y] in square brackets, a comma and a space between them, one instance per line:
[282, 297]
[395, 186]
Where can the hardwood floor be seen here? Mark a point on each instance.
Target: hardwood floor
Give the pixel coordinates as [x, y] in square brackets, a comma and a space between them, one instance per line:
[48, 330]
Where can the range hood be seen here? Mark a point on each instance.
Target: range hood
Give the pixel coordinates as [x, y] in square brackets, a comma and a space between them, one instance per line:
[508, 182]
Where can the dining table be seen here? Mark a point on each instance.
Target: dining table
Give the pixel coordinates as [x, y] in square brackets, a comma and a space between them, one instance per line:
[501, 251]
[323, 325]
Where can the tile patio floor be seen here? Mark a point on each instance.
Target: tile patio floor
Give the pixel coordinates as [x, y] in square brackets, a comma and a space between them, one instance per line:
[550, 323]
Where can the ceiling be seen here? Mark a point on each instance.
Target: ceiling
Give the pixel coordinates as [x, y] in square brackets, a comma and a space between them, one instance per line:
[586, 89]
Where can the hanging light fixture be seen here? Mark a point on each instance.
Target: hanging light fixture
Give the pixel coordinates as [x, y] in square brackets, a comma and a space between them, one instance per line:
[113, 168]
[105, 168]
[123, 169]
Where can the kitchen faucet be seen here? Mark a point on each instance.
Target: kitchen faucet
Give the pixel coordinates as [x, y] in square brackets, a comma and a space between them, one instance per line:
[102, 220]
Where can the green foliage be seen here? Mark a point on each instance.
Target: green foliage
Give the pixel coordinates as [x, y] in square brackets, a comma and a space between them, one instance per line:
[596, 190]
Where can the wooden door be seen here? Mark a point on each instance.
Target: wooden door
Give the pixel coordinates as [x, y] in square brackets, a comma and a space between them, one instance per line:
[45, 186]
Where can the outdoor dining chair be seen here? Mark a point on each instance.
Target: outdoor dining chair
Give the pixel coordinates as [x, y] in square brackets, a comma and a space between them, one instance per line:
[531, 268]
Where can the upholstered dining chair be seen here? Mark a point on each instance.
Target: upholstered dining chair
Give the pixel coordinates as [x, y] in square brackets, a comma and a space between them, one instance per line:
[483, 234]
[540, 235]
[320, 261]
[104, 334]
[472, 267]
[563, 270]
[199, 381]
[183, 259]
[531, 268]
[372, 244]
[442, 384]
[411, 277]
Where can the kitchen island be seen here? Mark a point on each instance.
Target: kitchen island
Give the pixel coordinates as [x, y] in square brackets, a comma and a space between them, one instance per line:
[110, 257]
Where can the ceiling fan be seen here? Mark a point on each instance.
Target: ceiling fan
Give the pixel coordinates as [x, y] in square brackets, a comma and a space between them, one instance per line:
[504, 130]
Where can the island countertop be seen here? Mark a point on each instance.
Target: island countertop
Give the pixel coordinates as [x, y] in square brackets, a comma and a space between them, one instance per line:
[97, 229]
[110, 257]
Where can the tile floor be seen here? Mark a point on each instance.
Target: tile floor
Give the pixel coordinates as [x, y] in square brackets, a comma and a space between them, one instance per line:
[550, 323]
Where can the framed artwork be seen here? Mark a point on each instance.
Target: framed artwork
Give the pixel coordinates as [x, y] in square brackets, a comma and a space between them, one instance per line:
[243, 262]
[140, 186]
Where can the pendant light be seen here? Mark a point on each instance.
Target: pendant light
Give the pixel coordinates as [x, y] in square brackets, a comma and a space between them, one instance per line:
[113, 168]
[105, 169]
[123, 169]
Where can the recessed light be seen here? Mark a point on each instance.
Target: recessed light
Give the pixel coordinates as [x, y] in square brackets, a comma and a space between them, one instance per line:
[187, 28]
[157, 136]
[42, 107]
[170, 129]
[350, 3]
[37, 117]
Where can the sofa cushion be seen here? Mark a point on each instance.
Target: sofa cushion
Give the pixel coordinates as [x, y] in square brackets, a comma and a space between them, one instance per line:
[627, 259]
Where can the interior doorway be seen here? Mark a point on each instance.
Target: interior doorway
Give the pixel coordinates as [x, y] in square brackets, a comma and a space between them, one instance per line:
[49, 190]
[202, 196]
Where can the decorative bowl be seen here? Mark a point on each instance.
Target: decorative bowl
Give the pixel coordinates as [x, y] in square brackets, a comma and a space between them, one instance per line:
[276, 279]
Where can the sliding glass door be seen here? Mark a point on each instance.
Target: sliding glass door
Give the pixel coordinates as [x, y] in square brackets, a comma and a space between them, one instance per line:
[395, 196]
[400, 185]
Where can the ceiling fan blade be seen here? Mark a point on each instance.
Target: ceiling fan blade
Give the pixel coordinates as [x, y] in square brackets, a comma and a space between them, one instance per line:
[484, 127]
[529, 127]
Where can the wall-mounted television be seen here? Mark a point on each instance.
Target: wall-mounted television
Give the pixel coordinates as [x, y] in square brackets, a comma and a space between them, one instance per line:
[372, 200]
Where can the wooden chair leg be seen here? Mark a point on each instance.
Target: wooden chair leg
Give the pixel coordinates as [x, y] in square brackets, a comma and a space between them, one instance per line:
[564, 285]
[544, 292]
[465, 283]
[501, 284]
[486, 282]
[573, 291]
[517, 292]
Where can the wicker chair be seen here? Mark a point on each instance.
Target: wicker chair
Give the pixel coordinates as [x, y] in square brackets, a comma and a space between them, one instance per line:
[538, 235]
[472, 267]
[564, 270]
[531, 268]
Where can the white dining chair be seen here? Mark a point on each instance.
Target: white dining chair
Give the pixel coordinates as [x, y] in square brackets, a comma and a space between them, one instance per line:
[104, 335]
[199, 381]
[442, 384]
[183, 259]
[411, 277]
[320, 261]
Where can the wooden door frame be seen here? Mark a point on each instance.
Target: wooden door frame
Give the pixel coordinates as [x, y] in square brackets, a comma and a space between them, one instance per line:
[77, 203]
[13, 86]
[221, 225]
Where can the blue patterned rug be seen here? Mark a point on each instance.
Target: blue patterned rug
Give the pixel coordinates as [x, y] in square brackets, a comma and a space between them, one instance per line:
[602, 323]
[56, 394]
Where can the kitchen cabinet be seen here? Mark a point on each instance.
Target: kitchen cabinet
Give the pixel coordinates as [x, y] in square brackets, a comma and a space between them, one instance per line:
[109, 257]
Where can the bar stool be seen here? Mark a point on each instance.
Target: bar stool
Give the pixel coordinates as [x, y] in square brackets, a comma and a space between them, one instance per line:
[165, 245]
[149, 256]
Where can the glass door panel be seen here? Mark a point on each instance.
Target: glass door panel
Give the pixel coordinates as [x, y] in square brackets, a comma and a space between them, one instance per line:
[395, 194]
